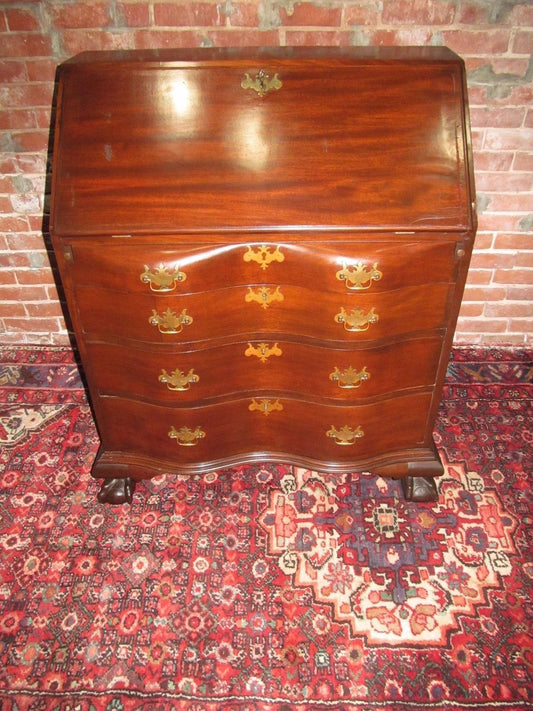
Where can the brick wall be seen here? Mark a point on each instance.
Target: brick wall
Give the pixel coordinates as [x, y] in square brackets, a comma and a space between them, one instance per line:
[494, 36]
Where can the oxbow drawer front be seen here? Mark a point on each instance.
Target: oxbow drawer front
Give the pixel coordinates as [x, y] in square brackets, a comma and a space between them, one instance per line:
[228, 431]
[337, 267]
[263, 254]
[285, 367]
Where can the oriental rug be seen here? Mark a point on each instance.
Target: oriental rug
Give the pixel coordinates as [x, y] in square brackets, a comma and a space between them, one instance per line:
[266, 587]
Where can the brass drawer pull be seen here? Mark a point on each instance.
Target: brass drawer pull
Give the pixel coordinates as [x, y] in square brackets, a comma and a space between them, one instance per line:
[185, 436]
[169, 322]
[264, 296]
[263, 351]
[346, 435]
[265, 406]
[178, 380]
[359, 276]
[162, 280]
[262, 83]
[349, 378]
[357, 320]
[263, 256]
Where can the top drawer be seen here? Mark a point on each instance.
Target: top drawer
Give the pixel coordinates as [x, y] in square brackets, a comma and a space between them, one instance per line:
[339, 267]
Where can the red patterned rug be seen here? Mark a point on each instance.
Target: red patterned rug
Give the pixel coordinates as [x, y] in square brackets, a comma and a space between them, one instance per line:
[266, 587]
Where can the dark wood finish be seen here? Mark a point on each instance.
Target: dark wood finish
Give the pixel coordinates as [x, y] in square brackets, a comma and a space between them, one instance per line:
[346, 190]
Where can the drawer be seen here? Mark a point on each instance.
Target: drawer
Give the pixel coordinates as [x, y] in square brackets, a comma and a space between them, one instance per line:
[335, 266]
[208, 434]
[240, 312]
[183, 376]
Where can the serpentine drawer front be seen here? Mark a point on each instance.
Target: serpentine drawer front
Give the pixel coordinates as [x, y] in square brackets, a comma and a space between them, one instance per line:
[263, 254]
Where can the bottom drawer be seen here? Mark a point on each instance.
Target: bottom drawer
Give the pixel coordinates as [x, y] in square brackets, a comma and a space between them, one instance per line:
[246, 428]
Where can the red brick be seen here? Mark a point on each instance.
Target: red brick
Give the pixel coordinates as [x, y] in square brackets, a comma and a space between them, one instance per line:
[22, 118]
[497, 161]
[508, 309]
[21, 293]
[31, 325]
[523, 43]
[135, 14]
[30, 163]
[509, 65]
[13, 223]
[523, 161]
[21, 96]
[12, 309]
[41, 69]
[479, 276]
[518, 139]
[75, 41]
[155, 39]
[21, 19]
[304, 14]
[242, 37]
[242, 14]
[187, 15]
[318, 38]
[524, 325]
[513, 276]
[31, 141]
[474, 293]
[7, 278]
[513, 241]
[498, 223]
[418, 12]
[80, 14]
[367, 12]
[506, 117]
[21, 241]
[12, 71]
[510, 182]
[44, 309]
[522, 292]
[42, 277]
[486, 42]
[483, 325]
[509, 202]
[26, 44]
[524, 259]
[470, 310]
[491, 260]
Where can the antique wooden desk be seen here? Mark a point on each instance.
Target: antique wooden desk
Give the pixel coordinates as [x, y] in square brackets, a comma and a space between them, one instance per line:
[263, 254]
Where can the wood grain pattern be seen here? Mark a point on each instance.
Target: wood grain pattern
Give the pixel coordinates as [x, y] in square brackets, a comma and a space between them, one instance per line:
[359, 164]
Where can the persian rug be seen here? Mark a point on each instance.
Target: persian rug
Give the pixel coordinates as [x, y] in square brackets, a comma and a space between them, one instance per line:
[266, 587]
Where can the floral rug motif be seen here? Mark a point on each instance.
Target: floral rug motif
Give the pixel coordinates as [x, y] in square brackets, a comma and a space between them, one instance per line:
[266, 587]
[396, 573]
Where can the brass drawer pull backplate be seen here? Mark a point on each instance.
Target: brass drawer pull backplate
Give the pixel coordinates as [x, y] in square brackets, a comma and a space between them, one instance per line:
[345, 435]
[357, 320]
[169, 322]
[265, 406]
[263, 295]
[349, 378]
[161, 279]
[262, 83]
[177, 380]
[263, 351]
[359, 276]
[263, 256]
[185, 436]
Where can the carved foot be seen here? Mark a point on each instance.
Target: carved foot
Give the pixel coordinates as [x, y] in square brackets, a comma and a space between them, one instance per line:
[419, 488]
[116, 491]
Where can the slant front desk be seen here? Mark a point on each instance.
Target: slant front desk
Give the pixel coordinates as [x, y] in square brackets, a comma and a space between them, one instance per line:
[263, 254]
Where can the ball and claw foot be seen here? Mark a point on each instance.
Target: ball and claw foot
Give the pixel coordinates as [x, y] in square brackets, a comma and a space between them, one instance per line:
[116, 491]
[419, 488]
